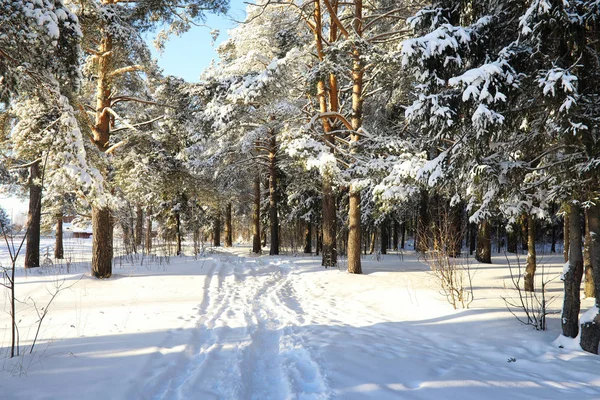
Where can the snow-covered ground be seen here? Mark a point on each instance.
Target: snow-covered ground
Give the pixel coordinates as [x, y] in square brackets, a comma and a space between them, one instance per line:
[232, 326]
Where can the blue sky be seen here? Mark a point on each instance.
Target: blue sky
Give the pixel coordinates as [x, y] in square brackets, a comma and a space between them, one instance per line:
[186, 56]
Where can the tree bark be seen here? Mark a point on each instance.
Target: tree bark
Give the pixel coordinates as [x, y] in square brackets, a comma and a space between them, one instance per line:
[403, 236]
[566, 237]
[422, 237]
[102, 223]
[328, 243]
[102, 242]
[472, 238]
[178, 232]
[34, 216]
[139, 225]
[531, 256]
[273, 215]
[590, 330]
[148, 230]
[319, 237]
[395, 238]
[588, 286]
[228, 227]
[127, 242]
[512, 240]
[307, 237]
[217, 229]
[256, 245]
[553, 219]
[454, 244]
[384, 236]
[524, 233]
[58, 244]
[484, 243]
[572, 276]
[354, 265]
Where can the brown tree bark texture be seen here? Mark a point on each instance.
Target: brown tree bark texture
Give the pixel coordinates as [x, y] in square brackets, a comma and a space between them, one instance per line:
[34, 216]
[572, 278]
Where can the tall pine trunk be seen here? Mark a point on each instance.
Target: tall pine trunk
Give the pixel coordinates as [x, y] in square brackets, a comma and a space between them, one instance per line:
[228, 227]
[385, 238]
[553, 222]
[139, 225]
[148, 230]
[531, 256]
[34, 217]
[256, 245]
[308, 237]
[484, 243]
[590, 330]
[273, 215]
[102, 223]
[566, 237]
[217, 229]
[354, 220]
[395, 239]
[102, 242]
[58, 241]
[422, 236]
[588, 286]
[354, 265]
[178, 232]
[572, 276]
[328, 243]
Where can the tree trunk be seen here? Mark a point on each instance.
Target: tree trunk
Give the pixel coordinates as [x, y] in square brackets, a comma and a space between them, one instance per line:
[127, 242]
[566, 237]
[256, 247]
[590, 330]
[178, 232]
[354, 265]
[139, 225]
[422, 236]
[572, 276]
[102, 221]
[34, 216]
[228, 227]
[354, 221]
[372, 240]
[454, 244]
[403, 236]
[395, 239]
[553, 219]
[512, 240]
[524, 233]
[273, 215]
[484, 243]
[319, 237]
[148, 230]
[384, 236]
[217, 229]
[472, 238]
[588, 286]
[531, 256]
[329, 243]
[102, 242]
[58, 244]
[307, 237]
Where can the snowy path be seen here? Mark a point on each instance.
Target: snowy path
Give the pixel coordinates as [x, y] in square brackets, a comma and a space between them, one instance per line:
[244, 345]
[230, 326]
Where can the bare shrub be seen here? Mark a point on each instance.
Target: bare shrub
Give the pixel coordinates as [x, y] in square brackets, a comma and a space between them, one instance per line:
[529, 308]
[452, 272]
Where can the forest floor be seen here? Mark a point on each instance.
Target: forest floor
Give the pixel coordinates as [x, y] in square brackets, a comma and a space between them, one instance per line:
[229, 325]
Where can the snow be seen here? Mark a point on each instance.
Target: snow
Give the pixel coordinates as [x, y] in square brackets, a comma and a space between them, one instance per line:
[228, 325]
